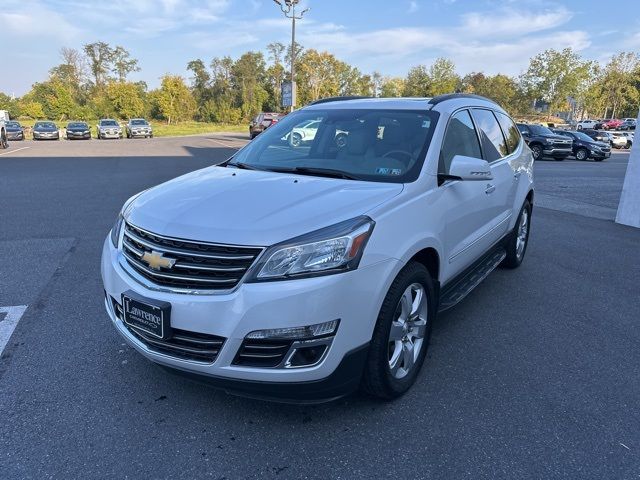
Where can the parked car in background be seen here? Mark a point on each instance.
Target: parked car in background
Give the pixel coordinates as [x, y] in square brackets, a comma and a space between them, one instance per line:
[616, 140]
[108, 128]
[584, 147]
[544, 143]
[596, 135]
[594, 124]
[263, 121]
[45, 131]
[628, 124]
[78, 130]
[629, 136]
[138, 127]
[14, 130]
[612, 124]
[333, 278]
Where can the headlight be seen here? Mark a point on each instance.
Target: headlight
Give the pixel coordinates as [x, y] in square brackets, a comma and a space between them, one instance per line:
[117, 227]
[329, 250]
[548, 140]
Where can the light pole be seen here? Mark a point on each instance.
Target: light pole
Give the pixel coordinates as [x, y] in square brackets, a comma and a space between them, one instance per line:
[288, 7]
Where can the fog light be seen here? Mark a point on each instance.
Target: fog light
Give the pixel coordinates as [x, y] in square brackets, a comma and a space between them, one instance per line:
[296, 333]
[307, 356]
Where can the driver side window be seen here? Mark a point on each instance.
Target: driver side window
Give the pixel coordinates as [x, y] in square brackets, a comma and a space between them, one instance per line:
[459, 139]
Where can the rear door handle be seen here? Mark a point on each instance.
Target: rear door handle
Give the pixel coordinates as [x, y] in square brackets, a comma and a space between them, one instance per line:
[490, 189]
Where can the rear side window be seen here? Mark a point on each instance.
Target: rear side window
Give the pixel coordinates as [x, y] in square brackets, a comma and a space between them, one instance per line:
[494, 146]
[460, 139]
[509, 130]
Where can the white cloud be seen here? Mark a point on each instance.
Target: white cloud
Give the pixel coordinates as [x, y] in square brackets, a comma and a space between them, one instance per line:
[510, 22]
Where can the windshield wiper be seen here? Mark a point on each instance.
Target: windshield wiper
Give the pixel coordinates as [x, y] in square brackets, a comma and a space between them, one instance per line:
[243, 166]
[319, 172]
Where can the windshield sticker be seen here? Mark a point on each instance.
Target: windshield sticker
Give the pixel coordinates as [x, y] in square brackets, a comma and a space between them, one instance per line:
[388, 171]
[426, 124]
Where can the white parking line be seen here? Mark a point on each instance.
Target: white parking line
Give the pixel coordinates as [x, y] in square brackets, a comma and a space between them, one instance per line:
[9, 322]
[12, 151]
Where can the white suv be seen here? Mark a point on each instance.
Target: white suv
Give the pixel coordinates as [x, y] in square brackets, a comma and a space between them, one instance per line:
[302, 272]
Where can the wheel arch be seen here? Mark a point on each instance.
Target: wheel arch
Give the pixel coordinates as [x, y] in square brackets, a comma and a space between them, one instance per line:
[430, 258]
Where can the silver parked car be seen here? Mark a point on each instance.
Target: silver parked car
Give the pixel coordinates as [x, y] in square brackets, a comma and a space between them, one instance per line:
[108, 128]
[139, 127]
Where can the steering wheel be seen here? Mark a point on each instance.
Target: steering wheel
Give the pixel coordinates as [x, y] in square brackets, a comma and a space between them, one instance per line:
[403, 152]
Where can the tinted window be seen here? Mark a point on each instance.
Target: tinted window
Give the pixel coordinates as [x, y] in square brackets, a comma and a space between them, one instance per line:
[376, 145]
[109, 123]
[510, 131]
[494, 146]
[460, 139]
[138, 122]
[540, 130]
[12, 124]
[523, 128]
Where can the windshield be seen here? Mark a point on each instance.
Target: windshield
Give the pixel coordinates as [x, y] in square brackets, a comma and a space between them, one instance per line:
[44, 125]
[138, 122]
[109, 123]
[13, 124]
[77, 125]
[583, 136]
[367, 144]
[540, 130]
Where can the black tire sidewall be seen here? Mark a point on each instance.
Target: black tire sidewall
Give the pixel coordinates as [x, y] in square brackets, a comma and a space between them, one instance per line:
[534, 149]
[586, 154]
[512, 260]
[377, 379]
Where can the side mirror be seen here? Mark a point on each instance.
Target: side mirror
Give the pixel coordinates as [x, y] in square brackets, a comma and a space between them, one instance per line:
[470, 168]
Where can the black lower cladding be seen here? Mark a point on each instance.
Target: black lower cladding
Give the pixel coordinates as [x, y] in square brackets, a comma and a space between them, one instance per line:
[344, 380]
[183, 344]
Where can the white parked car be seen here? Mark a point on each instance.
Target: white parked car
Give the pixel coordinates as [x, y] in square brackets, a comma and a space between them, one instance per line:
[3, 132]
[617, 140]
[587, 124]
[108, 128]
[294, 275]
[629, 136]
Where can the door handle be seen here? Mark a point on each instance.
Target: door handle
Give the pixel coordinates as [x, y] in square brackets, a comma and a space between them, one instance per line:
[490, 189]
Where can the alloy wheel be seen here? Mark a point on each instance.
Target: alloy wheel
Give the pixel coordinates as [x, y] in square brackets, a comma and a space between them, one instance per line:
[523, 233]
[408, 330]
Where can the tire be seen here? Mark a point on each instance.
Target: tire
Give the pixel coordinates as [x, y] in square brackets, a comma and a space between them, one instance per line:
[3, 140]
[517, 245]
[582, 154]
[393, 365]
[536, 150]
[296, 140]
[579, 127]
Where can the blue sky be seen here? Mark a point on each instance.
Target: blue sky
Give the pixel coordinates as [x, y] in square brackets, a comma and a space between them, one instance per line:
[387, 36]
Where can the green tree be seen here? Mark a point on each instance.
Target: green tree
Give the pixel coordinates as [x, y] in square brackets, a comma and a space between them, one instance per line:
[248, 74]
[417, 83]
[443, 77]
[126, 98]
[554, 76]
[100, 57]
[31, 109]
[174, 100]
[201, 88]
[122, 63]
[392, 87]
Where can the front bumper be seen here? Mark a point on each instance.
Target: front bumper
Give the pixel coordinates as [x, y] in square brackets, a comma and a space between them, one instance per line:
[80, 135]
[15, 136]
[110, 134]
[352, 297]
[556, 152]
[46, 136]
[140, 133]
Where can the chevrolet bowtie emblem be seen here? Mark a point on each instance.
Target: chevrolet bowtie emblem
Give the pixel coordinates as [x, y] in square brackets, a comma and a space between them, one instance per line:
[156, 260]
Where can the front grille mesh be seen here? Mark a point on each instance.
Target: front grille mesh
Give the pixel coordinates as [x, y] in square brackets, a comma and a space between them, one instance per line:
[198, 266]
[199, 347]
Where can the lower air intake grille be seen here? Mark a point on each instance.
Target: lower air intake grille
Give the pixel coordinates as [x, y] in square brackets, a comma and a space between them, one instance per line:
[262, 353]
[199, 347]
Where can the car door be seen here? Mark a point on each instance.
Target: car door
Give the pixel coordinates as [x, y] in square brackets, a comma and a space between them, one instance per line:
[468, 206]
[501, 190]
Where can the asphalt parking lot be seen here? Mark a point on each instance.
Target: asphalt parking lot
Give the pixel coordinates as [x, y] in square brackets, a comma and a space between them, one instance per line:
[534, 375]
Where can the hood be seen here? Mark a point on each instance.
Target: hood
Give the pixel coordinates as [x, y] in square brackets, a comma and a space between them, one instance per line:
[248, 207]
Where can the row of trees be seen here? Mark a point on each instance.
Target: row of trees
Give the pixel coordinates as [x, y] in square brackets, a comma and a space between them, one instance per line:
[94, 82]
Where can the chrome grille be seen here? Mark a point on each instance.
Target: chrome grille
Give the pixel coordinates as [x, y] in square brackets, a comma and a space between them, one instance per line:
[198, 265]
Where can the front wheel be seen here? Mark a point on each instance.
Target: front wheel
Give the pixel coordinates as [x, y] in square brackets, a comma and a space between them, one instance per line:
[401, 335]
[536, 150]
[582, 154]
[3, 140]
[517, 246]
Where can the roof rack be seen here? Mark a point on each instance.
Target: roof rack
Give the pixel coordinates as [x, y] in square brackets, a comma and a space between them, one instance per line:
[453, 96]
[338, 99]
